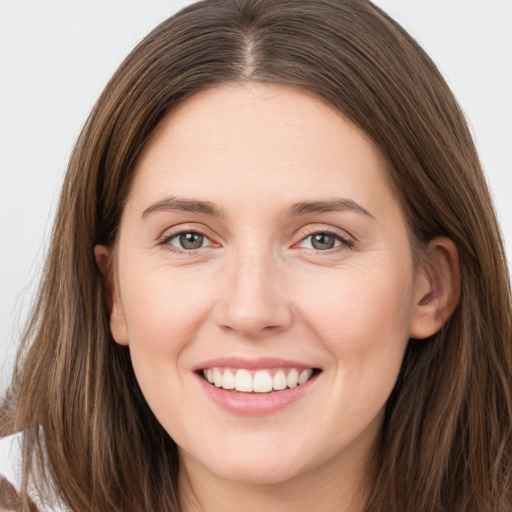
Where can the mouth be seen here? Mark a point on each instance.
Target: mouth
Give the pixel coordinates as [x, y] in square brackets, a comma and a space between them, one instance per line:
[243, 380]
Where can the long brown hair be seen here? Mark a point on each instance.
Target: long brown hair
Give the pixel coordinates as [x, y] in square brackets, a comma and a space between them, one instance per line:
[446, 442]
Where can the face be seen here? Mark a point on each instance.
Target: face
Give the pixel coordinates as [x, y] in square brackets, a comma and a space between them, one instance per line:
[262, 248]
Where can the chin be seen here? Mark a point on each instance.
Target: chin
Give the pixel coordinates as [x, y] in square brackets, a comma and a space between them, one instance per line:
[261, 473]
[256, 466]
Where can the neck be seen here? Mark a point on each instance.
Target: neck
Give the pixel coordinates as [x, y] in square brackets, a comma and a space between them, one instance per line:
[331, 487]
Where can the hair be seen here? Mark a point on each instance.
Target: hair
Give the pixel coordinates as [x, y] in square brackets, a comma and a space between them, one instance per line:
[446, 440]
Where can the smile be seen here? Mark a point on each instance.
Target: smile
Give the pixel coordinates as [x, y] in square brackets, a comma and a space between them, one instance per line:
[257, 381]
[256, 387]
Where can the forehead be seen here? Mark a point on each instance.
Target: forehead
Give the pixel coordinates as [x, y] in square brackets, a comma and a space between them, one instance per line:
[251, 140]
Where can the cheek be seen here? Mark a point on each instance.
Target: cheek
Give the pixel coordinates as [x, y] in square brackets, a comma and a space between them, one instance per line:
[362, 319]
[363, 323]
[352, 307]
[163, 314]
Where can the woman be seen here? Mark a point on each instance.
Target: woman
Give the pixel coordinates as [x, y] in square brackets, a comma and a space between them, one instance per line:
[276, 280]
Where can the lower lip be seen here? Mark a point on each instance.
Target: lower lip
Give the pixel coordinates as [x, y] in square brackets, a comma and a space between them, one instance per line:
[255, 404]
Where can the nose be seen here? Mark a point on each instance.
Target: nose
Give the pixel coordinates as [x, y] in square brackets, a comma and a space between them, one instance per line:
[254, 301]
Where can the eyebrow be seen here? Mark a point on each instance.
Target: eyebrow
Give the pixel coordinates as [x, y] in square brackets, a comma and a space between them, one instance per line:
[301, 208]
[185, 205]
[331, 205]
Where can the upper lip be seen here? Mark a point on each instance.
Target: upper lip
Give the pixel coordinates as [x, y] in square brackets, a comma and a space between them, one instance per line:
[259, 363]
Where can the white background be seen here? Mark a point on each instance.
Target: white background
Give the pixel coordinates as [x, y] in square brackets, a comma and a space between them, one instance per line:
[57, 55]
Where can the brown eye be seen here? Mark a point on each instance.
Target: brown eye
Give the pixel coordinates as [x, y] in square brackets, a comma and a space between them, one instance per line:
[191, 240]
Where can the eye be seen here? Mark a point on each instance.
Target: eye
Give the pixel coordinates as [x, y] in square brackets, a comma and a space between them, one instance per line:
[324, 241]
[188, 240]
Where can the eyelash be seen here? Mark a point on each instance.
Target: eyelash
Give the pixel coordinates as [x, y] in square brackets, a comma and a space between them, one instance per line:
[166, 240]
[344, 243]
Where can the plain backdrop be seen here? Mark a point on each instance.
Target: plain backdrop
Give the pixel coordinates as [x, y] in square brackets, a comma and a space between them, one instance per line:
[56, 56]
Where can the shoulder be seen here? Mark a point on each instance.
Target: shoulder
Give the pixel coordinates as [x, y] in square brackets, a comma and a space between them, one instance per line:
[10, 472]
[9, 498]
[10, 459]
[11, 477]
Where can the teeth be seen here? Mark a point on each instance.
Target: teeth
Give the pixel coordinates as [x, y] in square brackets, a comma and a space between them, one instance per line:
[261, 382]
[217, 378]
[243, 381]
[305, 375]
[279, 381]
[229, 380]
[293, 379]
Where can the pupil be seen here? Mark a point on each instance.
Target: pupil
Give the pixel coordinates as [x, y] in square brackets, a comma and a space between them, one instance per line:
[322, 241]
[191, 240]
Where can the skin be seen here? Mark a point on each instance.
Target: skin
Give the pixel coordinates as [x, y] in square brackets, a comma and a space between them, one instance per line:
[259, 288]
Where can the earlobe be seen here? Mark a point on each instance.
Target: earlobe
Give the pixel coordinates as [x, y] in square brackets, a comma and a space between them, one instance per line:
[118, 326]
[113, 301]
[437, 289]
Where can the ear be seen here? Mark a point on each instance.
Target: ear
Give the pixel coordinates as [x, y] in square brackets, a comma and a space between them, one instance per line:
[437, 289]
[118, 326]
